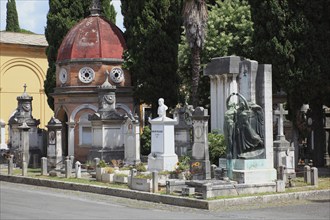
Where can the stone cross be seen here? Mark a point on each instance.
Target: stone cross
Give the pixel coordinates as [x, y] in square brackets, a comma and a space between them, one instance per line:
[25, 87]
[281, 114]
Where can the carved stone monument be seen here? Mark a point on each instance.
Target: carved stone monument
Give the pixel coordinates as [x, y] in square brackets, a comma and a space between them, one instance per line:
[132, 140]
[162, 156]
[283, 151]
[23, 114]
[200, 167]
[251, 158]
[183, 139]
[54, 146]
[107, 125]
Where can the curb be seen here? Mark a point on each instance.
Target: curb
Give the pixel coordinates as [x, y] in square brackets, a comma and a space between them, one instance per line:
[165, 199]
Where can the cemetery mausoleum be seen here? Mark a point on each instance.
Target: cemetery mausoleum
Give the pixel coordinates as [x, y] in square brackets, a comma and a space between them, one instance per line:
[90, 51]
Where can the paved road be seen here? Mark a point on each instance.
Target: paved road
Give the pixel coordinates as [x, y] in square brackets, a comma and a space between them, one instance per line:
[20, 201]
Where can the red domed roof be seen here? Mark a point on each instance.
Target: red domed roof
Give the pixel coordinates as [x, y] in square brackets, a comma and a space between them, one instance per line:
[92, 38]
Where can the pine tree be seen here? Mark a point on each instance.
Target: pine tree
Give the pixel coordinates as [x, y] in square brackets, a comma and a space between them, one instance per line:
[12, 17]
[108, 11]
[61, 17]
[152, 34]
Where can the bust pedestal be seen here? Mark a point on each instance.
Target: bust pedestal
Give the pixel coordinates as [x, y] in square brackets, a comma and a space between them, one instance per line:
[162, 156]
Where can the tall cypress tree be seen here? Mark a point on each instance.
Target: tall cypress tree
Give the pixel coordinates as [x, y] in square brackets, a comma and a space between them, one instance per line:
[152, 34]
[293, 36]
[61, 17]
[12, 17]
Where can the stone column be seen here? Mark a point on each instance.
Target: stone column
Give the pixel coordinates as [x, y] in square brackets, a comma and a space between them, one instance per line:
[68, 167]
[200, 164]
[219, 103]
[44, 165]
[24, 130]
[10, 164]
[78, 169]
[71, 126]
[225, 70]
[214, 100]
[3, 145]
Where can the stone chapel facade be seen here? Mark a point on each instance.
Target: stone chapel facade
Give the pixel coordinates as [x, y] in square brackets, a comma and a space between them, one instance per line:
[91, 48]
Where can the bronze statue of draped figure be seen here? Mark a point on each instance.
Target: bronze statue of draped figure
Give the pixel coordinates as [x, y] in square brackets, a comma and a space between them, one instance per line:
[244, 129]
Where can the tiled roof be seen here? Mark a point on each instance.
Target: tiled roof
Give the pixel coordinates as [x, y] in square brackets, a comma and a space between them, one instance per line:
[22, 38]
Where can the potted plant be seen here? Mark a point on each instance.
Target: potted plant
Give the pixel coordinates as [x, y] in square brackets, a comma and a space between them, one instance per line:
[142, 182]
[100, 170]
[108, 175]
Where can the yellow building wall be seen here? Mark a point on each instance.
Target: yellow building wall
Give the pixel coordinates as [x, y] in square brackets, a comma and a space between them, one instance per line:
[19, 65]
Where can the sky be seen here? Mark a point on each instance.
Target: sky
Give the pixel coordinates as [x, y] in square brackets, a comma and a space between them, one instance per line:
[32, 14]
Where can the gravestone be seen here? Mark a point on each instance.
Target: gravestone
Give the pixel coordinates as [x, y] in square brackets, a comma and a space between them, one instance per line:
[200, 167]
[183, 143]
[23, 114]
[162, 156]
[283, 151]
[235, 75]
[132, 141]
[54, 147]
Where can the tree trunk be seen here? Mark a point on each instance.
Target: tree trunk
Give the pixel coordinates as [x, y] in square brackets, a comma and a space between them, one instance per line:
[195, 67]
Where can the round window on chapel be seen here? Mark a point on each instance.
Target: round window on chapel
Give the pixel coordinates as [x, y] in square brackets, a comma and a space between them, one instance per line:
[86, 74]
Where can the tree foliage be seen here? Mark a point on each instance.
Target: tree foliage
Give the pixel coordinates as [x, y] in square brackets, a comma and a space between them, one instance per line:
[217, 147]
[61, 17]
[293, 36]
[152, 35]
[12, 23]
[230, 29]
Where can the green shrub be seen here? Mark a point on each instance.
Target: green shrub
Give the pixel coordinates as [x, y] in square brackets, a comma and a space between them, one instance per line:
[145, 141]
[102, 164]
[140, 167]
[143, 176]
[217, 147]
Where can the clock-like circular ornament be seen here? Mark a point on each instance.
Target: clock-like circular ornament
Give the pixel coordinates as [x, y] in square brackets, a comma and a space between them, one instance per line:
[86, 74]
[117, 75]
[63, 75]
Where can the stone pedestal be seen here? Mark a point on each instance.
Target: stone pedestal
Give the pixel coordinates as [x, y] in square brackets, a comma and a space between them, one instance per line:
[162, 156]
[284, 155]
[24, 130]
[253, 171]
[200, 164]
[54, 147]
